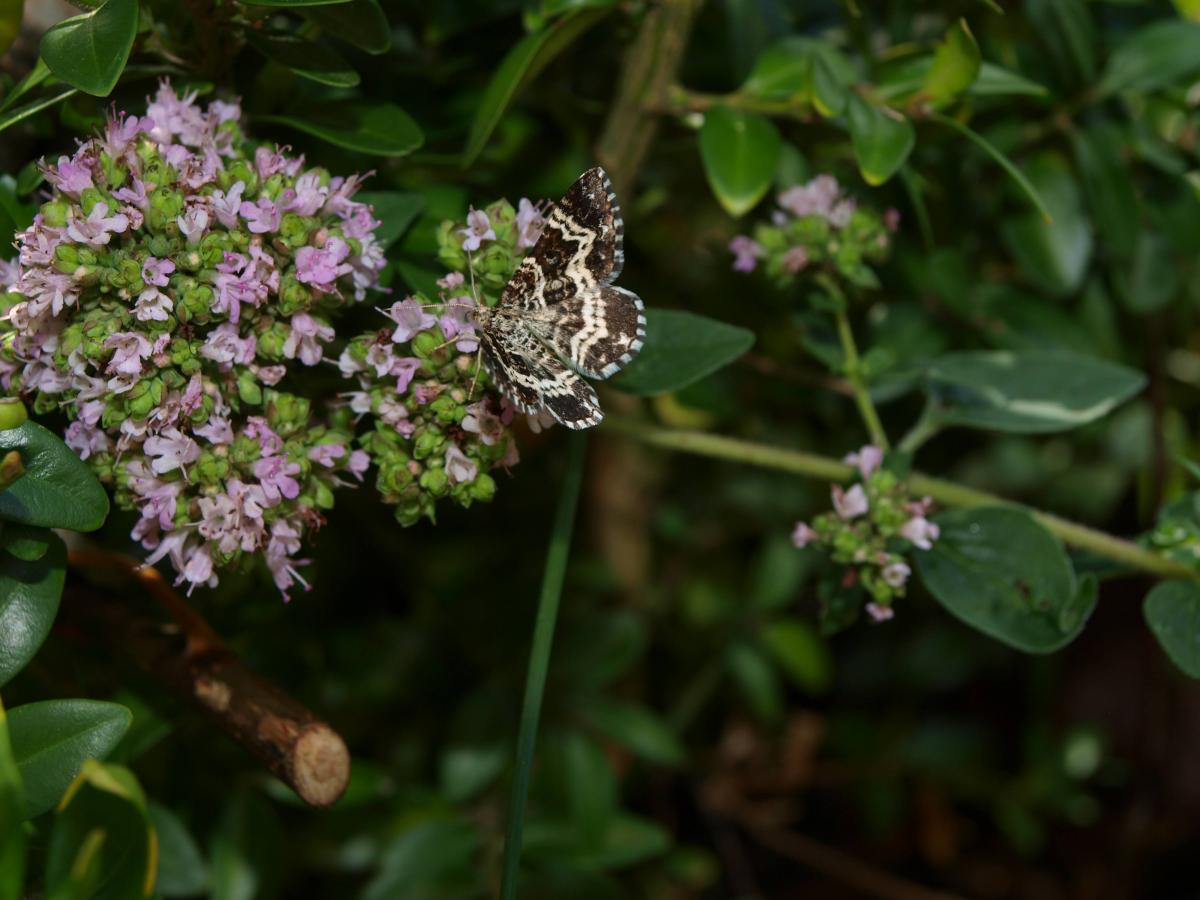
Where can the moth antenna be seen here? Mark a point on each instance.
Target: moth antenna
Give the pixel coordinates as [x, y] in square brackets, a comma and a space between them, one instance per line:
[478, 365]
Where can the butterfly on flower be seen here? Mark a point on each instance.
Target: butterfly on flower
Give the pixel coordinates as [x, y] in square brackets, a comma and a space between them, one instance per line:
[560, 317]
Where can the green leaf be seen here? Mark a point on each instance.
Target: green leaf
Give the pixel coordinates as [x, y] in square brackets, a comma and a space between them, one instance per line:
[106, 798]
[628, 841]
[1162, 53]
[784, 71]
[396, 210]
[1054, 252]
[52, 738]
[11, 13]
[800, 651]
[680, 349]
[636, 728]
[1172, 610]
[882, 139]
[381, 129]
[519, 67]
[956, 64]
[58, 490]
[24, 541]
[756, 679]
[12, 814]
[182, 871]
[10, 117]
[362, 23]
[1189, 9]
[1001, 572]
[246, 850]
[1109, 188]
[997, 81]
[300, 3]
[468, 769]
[306, 59]
[590, 786]
[1031, 392]
[89, 51]
[29, 593]
[740, 151]
[36, 76]
[424, 860]
[1153, 278]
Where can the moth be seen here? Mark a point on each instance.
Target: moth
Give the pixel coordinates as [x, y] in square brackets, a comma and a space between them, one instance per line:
[560, 317]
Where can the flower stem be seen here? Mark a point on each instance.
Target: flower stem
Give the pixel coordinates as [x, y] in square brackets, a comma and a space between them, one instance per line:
[925, 428]
[947, 493]
[853, 366]
[539, 663]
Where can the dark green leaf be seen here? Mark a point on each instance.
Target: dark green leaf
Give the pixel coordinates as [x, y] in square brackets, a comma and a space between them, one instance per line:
[182, 871]
[381, 129]
[955, 64]
[468, 769]
[52, 738]
[1055, 253]
[430, 855]
[108, 799]
[361, 22]
[590, 786]
[300, 3]
[1030, 392]
[636, 728]
[882, 140]
[11, 12]
[628, 841]
[1153, 279]
[29, 593]
[800, 652]
[740, 151]
[756, 679]
[1172, 610]
[784, 71]
[246, 850]
[999, 571]
[1108, 186]
[29, 178]
[1005, 163]
[58, 490]
[519, 67]
[997, 81]
[39, 74]
[395, 210]
[89, 52]
[1160, 54]
[1067, 29]
[12, 116]
[24, 541]
[12, 814]
[681, 348]
[306, 59]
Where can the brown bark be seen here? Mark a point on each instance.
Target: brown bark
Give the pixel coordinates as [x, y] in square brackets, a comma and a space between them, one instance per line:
[189, 658]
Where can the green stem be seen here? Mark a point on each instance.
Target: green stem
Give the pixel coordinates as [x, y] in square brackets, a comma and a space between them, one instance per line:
[539, 663]
[946, 493]
[853, 366]
[925, 428]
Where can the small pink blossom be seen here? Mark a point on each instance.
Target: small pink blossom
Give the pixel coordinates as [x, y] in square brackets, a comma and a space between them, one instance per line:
[920, 531]
[879, 613]
[404, 369]
[303, 339]
[193, 223]
[129, 349]
[227, 204]
[261, 217]
[794, 259]
[803, 535]
[459, 469]
[745, 251]
[850, 504]
[327, 455]
[410, 319]
[276, 475]
[896, 574]
[478, 230]
[171, 450]
[322, 267]
[359, 462]
[98, 228]
[156, 272]
[530, 223]
[867, 459]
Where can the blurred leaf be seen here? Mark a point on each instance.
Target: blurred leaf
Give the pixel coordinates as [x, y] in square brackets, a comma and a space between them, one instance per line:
[778, 573]
[362, 23]
[637, 728]
[591, 788]
[1189, 9]
[182, 871]
[1172, 610]
[784, 71]
[246, 851]
[52, 738]
[882, 140]
[396, 210]
[629, 840]
[800, 651]
[1055, 253]
[1066, 27]
[89, 52]
[29, 593]
[756, 679]
[519, 67]
[79, 882]
[306, 59]
[681, 348]
[601, 648]
[377, 128]
[58, 489]
[997, 81]
[1031, 392]
[830, 95]
[469, 769]
[11, 116]
[427, 860]
[25, 542]
[104, 798]
[300, 3]
[740, 151]
[1108, 185]
[34, 77]
[11, 13]
[1001, 572]
[955, 65]
[12, 814]
[1160, 54]
[1153, 279]
[1026, 187]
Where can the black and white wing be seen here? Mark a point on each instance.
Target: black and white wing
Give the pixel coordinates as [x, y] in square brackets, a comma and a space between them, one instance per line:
[534, 380]
[581, 247]
[597, 332]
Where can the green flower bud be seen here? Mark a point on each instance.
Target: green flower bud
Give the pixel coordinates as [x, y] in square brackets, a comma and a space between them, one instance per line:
[248, 388]
[54, 213]
[244, 450]
[66, 258]
[435, 482]
[287, 413]
[428, 443]
[12, 413]
[483, 488]
[114, 174]
[89, 197]
[294, 230]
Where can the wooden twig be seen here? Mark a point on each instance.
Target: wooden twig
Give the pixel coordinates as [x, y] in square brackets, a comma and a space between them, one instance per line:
[190, 658]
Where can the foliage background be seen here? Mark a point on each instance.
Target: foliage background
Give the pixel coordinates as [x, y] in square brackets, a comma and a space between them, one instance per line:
[701, 737]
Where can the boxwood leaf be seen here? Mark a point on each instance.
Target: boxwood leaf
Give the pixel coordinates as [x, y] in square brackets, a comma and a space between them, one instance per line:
[740, 151]
[360, 22]
[52, 738]
[29, 593]
[181, 871]
[681, 348]
[1001, 572]
[882, 139]
[784, 71]
[90, 51]
[382, 129]
[1028, 392]
[24, 541]
[1159, 54]
[800, 652]
[12, 813]
[58, 490]
[306, 59]
[1172, 610]
[955, 64]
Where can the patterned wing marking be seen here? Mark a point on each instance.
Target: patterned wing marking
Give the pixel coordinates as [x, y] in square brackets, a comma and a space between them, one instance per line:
[525, 372]
[580, 248]
[597, 332]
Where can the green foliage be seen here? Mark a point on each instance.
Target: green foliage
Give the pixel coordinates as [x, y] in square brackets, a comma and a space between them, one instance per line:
[1172, 610]
[740, 152]
[681, 348]
[29, 592]
[89, 52]
[57, 490]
